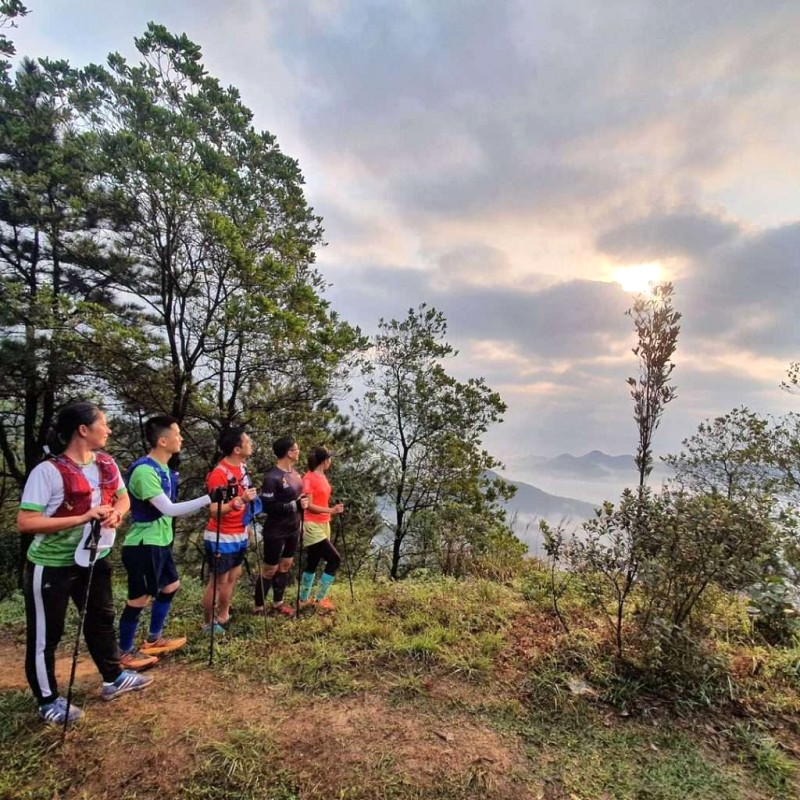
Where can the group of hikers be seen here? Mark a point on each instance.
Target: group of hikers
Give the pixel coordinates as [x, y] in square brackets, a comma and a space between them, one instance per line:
[73, 503]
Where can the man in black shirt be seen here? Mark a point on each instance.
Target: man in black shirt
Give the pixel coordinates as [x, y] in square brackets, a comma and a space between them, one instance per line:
[283, 500]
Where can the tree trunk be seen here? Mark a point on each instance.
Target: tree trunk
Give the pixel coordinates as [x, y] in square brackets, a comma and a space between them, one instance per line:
[395, 558]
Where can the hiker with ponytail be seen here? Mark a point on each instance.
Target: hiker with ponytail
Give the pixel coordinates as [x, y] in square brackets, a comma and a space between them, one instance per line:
[74, 487]
[317, 531]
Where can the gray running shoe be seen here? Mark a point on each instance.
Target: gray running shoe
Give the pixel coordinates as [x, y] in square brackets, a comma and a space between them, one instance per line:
[54, 713]
[126, 682]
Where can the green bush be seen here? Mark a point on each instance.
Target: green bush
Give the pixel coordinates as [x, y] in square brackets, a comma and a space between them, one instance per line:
[775, 617]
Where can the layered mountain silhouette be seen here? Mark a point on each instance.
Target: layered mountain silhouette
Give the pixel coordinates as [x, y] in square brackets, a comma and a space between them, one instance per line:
[532, 501]
[531, 504]
[593, 466]
[573, 487]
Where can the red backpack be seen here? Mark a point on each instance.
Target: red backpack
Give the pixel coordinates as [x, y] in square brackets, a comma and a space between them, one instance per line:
[77, 491]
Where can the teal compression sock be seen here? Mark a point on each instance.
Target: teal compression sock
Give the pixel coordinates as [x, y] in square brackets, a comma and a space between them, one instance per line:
[324, 585]
[306, 582]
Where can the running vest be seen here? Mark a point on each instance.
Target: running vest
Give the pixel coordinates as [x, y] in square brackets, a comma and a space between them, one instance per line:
[144, 510]
[237, 488]
[77, 491]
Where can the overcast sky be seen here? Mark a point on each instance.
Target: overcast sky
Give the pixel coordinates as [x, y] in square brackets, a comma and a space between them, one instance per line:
[508, 161]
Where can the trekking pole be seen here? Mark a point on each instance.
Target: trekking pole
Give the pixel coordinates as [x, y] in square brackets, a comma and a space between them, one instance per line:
[215, 566]
[94, 537]
[300, 560]
[260, 566]
[346, 557]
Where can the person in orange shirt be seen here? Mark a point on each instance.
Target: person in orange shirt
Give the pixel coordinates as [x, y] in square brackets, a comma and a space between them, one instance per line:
[317, 531]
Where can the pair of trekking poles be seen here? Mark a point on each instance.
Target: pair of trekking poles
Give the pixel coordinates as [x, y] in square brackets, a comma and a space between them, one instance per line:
[94, 538]
[261, 572]
[300, 559]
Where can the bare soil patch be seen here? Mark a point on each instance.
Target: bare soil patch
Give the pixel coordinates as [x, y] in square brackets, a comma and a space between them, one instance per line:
[12, 668]
[364, 740]
[149, 744]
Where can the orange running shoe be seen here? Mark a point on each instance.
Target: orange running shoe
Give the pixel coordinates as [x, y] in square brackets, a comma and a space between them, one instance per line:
[326, 605]
[136, 660]
[162, 645]
[287, 611]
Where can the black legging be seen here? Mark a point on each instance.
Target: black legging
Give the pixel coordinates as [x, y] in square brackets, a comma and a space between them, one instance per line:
[47, 592]
[322, 551]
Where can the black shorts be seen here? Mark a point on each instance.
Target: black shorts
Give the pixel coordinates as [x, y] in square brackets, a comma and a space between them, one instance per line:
[150, 568]
[278, 547]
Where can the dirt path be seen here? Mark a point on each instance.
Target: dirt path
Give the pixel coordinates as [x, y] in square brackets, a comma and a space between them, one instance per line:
[12, 668]
[150, 744]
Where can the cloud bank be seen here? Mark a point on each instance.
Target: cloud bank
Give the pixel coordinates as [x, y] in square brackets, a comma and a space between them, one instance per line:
[500, 161]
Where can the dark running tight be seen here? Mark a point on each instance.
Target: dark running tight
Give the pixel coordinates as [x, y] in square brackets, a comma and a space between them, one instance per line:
[322, 551]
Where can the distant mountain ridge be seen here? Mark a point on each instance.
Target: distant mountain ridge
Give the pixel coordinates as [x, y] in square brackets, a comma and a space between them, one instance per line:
[574, 487]
[534, 501]
[592, 466]
[530, 505]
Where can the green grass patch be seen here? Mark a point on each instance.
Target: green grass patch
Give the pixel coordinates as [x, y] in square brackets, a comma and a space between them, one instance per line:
[241, 767]
[772, 767]
[28, 771]
[391, 628]
[12, 610]
[588, 755]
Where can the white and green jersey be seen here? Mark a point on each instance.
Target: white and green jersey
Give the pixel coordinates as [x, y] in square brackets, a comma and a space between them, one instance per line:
[144, 483]
[44, 492]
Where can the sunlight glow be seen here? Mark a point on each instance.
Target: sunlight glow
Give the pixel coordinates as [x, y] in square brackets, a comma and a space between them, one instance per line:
[638, 278]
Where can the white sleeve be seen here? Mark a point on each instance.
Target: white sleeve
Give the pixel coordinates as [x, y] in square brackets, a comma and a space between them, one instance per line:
[43, 482]
[170, 509]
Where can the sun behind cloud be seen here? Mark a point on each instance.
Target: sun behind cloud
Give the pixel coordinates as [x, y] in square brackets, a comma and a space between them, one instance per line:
[638, 278]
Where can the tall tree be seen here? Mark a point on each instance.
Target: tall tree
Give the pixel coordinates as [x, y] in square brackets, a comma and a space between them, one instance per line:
[620, 540]
[656, 324]
[222, 242]
[429, 428]
[56, 269]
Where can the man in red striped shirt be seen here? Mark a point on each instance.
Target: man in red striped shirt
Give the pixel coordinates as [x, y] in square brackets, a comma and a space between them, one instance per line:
[231, 475]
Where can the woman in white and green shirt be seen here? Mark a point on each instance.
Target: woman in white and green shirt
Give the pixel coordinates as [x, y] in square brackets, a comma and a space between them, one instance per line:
[63, 496]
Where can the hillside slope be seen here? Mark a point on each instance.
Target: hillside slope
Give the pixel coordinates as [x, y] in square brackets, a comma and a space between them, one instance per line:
[438, 690]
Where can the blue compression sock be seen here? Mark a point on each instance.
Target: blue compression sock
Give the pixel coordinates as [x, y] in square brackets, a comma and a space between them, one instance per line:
[128, 623]
[158, 614]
